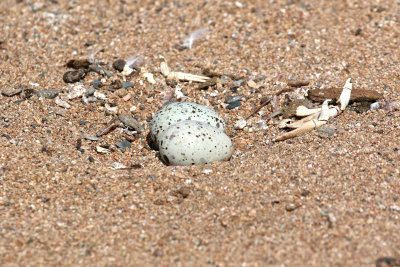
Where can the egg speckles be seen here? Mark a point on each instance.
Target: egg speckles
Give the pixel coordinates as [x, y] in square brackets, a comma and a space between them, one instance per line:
[194, 143]
[181, 111]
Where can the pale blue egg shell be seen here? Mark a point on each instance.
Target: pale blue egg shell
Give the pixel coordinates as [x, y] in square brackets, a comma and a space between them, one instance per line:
[181, 111]
[194, 143]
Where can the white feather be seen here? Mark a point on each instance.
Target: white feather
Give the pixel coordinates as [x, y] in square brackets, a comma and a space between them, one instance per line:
[193, 37]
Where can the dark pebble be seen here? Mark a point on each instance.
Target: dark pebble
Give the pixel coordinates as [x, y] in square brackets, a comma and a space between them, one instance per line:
[123, 144]
[96, 84]
[81, 150]
[116, 84]
[6, 136]
[231, 99]
[234, 105]
[48, 94]
[91, 159]
[27, 93]
[74, 76]
[78, 63]
[119, 64]
[127, 85]
[83, 122]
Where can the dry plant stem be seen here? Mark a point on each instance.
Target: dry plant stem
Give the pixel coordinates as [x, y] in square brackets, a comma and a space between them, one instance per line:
[109, 128]
[263, 104]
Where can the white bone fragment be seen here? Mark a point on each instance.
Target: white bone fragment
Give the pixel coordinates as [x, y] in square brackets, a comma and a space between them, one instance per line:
[305, 128]
[302, 111]
[345, 95]
[324, 115]
[181, 76]
[285, 123]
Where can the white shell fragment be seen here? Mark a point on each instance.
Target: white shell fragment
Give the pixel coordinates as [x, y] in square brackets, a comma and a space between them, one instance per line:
[194, 143]
[345, 95]
[181, 111]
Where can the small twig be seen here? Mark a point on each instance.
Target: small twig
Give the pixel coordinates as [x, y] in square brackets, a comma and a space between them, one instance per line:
[263, 104]
[109, 128]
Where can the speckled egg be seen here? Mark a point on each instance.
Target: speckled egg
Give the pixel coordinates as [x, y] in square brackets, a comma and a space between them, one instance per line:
[181, 111]
[194, 143]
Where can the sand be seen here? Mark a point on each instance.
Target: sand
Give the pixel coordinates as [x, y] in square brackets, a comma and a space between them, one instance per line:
[306, 201]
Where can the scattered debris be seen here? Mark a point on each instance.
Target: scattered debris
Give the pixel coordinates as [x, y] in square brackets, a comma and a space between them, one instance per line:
[264, 102]
[132, 63]
[318, 119]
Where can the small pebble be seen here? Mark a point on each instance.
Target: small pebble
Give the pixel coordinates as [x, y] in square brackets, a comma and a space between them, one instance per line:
[89, 91]
[291, 207]
[76, 91]
[62, 103]
[127, 85]
[240, 124]
[11, 91]
[48, 94]
[74, 76]
[119, 65]
[123, 144]
[78, 63]
[96, 84]
[231, 99]
[234, 105]
[326, 131]
[374, 106]
[121, 92]
[83, 122]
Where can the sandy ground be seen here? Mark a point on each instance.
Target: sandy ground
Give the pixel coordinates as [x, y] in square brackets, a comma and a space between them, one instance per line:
[307, 201]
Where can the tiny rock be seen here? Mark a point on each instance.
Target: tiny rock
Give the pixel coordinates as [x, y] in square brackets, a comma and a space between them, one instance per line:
[234, 105]
[74, 76]
[119, 64]
[62, 103]
[76, 91]
[291, 207]
[252, 84]
[11, 91]
[78, 63]
[240, 124]
[49, 94]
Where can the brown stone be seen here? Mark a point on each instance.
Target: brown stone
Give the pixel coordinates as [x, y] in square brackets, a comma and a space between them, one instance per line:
[357, 95]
